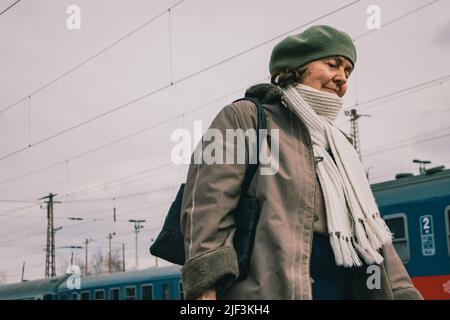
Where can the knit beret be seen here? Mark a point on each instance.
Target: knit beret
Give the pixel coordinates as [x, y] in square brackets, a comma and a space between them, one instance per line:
[316, 42]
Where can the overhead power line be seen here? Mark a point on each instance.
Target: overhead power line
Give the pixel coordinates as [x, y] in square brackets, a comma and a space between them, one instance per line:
[396, 19]
[18, 201]
[92, 57]
[53, 183]
[9, 211]
[376, 149]
[387, 173]
[87, 222]
[397, 92]
[164, 87]
[12, 5]
[153, 126]
[405, 145]
[83, 215]
[124, 196]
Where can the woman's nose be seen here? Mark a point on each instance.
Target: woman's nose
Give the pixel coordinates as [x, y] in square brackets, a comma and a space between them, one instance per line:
[340, 78]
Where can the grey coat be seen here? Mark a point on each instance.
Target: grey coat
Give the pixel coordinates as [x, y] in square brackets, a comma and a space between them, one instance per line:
[279, 267]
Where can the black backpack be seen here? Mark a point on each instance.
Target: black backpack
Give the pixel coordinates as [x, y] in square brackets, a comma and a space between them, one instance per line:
[169, 245]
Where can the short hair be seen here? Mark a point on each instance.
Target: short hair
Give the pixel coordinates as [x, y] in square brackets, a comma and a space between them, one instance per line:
[289, 77]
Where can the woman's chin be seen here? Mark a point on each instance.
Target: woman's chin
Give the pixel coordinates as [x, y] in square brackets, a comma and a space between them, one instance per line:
[329, 91]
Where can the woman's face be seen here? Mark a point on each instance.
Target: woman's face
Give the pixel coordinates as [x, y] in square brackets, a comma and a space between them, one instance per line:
[329, 75]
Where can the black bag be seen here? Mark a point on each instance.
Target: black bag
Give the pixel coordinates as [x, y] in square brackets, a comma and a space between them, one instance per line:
[169, 245]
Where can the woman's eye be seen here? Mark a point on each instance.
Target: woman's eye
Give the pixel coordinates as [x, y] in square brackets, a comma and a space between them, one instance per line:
[332, 65]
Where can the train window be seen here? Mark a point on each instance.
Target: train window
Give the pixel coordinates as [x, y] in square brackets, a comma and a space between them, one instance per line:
[180, 290]
[85, 295]
[165, 291]
[447, 222]
[398, 225]
[114, 293]
[74, 296]
[147, 292]
[130, 293]
[99, 294]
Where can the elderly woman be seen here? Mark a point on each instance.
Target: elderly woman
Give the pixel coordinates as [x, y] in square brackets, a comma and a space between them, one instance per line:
[319, 228]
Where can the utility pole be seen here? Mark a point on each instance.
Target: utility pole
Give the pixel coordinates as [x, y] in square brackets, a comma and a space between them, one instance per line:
[23, 271]
[422, 164]
[110, 236]
[50, 248]
[71, 256]
[156, 258]
[137, 227]
[354, 128]
[86, 242]
[123, 257]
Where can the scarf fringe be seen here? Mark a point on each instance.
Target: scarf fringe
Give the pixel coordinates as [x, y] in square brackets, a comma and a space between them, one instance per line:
[347, 255]
[369, 255]
[364, 247]
[335, 245]
[371, 235]
[362, 252]
[380, 228]
[353, 252]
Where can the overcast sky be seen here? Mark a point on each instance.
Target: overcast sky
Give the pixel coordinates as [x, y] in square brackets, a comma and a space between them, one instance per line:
[37, 48]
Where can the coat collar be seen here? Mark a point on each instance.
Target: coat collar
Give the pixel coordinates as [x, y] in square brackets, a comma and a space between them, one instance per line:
[265, 92]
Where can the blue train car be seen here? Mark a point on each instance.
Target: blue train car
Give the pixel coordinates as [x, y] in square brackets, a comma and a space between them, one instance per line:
[42, 289]
[161, 283]
[417, 210]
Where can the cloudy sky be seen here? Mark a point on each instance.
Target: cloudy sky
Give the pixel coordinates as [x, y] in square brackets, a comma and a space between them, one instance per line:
[97, 106]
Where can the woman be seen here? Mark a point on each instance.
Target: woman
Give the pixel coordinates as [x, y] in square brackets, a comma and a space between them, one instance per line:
[319, 226]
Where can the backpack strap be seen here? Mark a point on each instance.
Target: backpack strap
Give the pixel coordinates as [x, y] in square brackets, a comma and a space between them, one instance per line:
[261, 125]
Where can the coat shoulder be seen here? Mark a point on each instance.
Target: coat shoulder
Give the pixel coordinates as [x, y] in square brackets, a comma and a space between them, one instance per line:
[265, 92]
[268, 94]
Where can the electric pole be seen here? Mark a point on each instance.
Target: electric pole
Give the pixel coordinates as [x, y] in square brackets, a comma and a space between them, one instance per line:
[156, 258]
[50, 248]
[353, 113]
[71, 256]
[110, 236]
[86, 242]
[422, 163]
[137, 227]
[23, 271]
[123, 257]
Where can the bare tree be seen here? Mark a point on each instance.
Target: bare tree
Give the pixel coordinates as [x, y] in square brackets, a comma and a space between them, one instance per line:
[64, 263]
[3, 278]
[116, 260]
[98, 263]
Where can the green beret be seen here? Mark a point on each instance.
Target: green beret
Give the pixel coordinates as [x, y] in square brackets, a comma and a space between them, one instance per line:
[316, 42]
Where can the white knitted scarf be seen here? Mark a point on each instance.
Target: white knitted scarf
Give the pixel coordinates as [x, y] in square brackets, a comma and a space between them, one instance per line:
[353, 219]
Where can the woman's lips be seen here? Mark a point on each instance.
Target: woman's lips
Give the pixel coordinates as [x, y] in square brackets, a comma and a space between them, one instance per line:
[331, 90]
